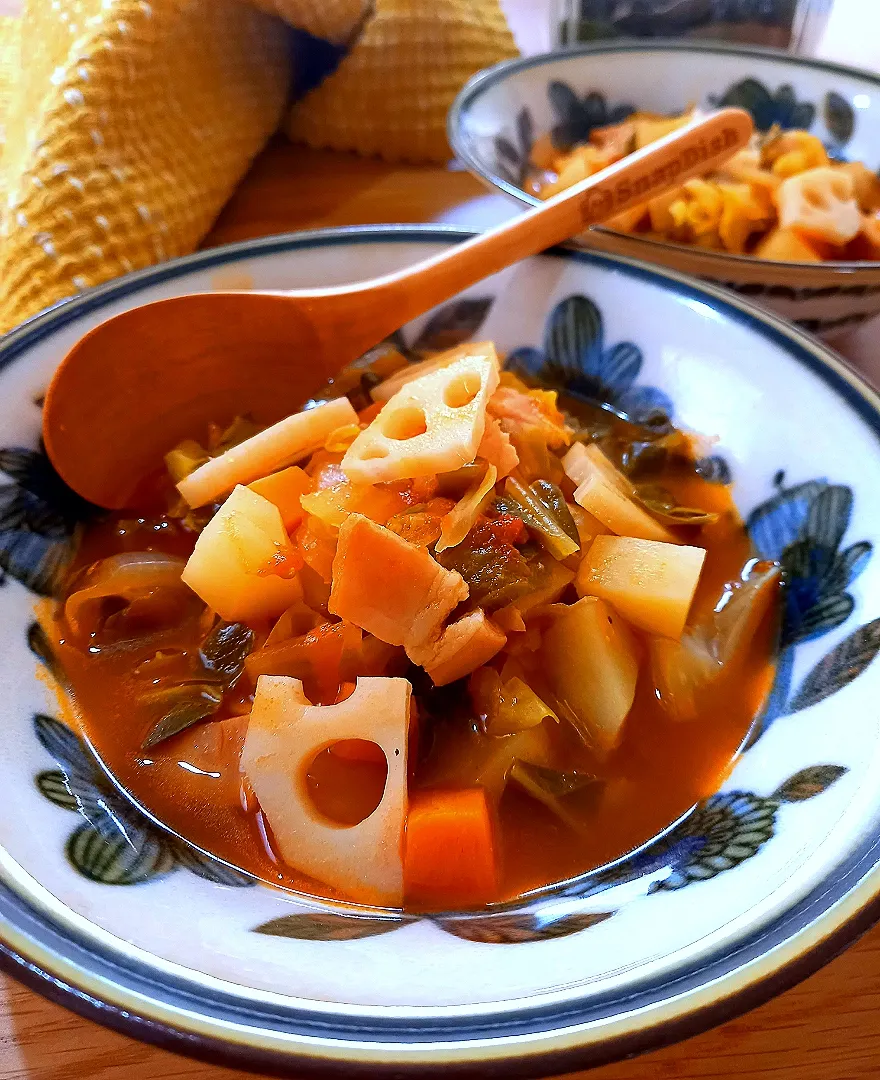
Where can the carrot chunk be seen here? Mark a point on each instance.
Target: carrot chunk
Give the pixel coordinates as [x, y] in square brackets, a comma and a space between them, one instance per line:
[449, 857]
[285, 489]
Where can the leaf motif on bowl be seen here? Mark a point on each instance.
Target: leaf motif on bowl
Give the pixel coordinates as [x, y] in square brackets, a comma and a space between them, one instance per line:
[113, 851]
[782, 108]
[808, 783]
[839, 667]
[39, 517]
[54, 785]
[574, 358]
[512, 151]
[732, 826]
[491, 928]
[575, 116]
[767, 108]
[519, 927]
[715, 469]
[452, 325]
[329, 926]
[803, 527]
[723, 831]
[839, 117]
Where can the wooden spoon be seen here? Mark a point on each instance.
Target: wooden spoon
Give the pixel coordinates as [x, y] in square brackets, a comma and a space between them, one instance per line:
[139, 383]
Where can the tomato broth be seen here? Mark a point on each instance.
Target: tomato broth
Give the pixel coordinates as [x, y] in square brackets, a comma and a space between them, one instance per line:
[192, 782]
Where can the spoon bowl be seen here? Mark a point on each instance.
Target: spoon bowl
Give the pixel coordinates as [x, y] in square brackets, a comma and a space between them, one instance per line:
[141, 382]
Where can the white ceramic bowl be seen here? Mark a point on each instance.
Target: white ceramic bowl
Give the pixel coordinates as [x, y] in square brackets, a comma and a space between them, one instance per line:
[102, 909]
[496, 117]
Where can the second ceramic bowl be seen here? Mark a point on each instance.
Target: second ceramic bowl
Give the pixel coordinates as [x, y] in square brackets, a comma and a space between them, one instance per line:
[501, 111]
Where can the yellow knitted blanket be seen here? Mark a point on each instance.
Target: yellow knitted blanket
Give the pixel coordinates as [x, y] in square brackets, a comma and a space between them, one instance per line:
[126, 124]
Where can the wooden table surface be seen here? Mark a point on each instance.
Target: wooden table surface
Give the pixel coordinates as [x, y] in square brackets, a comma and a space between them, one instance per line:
[827, 1028]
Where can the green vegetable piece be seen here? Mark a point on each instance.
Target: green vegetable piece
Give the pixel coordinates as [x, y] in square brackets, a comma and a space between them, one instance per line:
[503, 754]
[453, 485]
[743, 607]
[184, 459]
[551, 496]
[661, 504]
[682, 669]
[196, 702]
[550, 787]
[188, 455]
[496, 575]
[222, 655]
[646, 457]
[225, 650]
[526, 504]
[241, 429]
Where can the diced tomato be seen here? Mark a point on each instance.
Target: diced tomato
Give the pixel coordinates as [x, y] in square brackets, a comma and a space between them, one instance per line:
[419, 489]
[506, 529]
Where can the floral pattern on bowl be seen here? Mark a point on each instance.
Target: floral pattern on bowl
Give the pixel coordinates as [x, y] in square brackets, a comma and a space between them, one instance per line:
[756, 877]
[577, 116]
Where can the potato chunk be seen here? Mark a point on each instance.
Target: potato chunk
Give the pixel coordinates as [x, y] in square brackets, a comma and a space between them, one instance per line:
[392, 589]
[433, 424]
[243, 536]
[787, 245]
[285, 734]
[281, 444]
[649, 127]
[650, 583]
[590, 662]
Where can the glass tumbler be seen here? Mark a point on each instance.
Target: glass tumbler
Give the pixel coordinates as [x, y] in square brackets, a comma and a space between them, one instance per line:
[788, 24]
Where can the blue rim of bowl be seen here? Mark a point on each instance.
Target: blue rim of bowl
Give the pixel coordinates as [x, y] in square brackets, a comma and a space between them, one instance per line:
[159, 1008]
[487, 78]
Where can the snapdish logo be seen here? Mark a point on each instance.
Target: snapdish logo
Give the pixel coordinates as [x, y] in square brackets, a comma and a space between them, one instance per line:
[616, 196]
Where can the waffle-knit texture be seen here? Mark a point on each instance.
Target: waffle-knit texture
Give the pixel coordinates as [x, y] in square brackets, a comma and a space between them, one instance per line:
[390, 94]
[126, 124]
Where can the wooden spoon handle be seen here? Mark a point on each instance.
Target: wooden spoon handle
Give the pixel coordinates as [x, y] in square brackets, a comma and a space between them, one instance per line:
[386, 303]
